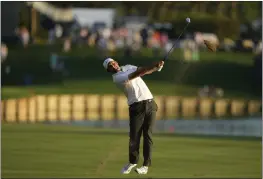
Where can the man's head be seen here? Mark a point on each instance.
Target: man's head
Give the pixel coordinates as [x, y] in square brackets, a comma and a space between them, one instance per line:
[111, 65]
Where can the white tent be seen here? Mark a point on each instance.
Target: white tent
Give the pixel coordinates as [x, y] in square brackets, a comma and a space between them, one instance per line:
[90, 16]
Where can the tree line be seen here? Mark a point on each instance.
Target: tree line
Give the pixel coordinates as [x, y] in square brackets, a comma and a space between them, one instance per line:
[242, 11]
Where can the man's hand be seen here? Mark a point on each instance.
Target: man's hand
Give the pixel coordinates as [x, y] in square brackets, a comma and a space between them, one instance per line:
[159, 64]
[154, 68]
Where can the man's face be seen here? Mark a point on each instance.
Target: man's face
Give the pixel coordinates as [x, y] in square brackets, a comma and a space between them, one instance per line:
[113, 67]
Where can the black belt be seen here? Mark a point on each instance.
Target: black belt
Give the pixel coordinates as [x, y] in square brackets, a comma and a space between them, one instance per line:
[143, 101]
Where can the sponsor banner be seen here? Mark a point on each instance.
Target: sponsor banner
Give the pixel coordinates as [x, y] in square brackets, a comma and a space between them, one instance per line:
[242, 127]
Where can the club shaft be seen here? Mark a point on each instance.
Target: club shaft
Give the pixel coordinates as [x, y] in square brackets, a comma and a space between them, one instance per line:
[175, 42]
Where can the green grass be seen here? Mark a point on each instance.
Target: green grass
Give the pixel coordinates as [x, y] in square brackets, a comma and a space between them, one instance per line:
[98, 87]
[35, 151]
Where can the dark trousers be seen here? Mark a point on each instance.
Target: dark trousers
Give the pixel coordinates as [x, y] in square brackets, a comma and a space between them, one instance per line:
[142, 117]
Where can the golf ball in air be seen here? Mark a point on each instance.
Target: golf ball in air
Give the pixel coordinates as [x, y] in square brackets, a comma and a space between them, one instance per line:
[188, 20]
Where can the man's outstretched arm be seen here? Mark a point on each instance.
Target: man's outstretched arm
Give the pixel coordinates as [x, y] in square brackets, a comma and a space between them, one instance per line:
[145, 70]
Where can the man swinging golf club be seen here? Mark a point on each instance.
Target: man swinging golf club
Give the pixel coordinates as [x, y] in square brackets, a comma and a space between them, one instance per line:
[142, 109]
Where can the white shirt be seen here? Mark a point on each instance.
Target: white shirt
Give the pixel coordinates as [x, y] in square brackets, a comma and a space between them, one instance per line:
[135, 90]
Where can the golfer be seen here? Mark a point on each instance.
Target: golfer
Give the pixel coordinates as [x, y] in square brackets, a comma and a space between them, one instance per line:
[142, 109]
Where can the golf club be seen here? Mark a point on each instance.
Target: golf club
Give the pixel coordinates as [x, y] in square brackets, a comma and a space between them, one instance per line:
[166, 56]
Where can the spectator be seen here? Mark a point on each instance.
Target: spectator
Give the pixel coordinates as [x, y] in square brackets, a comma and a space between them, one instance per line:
[164, 39]
[83, 35]
[137, 38]
[53, 61]
[106, 33]
[92, 40]
[111, 46]
[168, 47]
[120, 42]
[67, 45]
[23, 35]
[51, 35]
[144, 35]
[4, 52]
[155, 43]
[102, 46]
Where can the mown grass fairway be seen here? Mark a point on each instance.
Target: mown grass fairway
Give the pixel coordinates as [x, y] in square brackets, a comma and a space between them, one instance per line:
[34, 151]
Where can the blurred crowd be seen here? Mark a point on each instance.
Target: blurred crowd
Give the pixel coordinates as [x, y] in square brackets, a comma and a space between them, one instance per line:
[109, 39]
[132, 40]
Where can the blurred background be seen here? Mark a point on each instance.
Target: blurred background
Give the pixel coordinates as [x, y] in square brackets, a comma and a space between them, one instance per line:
[53, 79]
